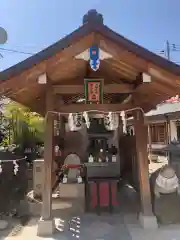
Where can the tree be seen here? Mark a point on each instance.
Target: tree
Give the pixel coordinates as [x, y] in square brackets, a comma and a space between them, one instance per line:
[3, 131]
[26, 127]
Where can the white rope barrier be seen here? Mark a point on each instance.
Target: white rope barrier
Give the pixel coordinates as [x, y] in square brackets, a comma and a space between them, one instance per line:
[19, 159]
[97, 111]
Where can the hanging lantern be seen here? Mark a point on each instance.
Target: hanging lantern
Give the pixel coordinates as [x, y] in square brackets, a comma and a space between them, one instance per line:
[86, 117]
[75, 121]
[111, 121]
[16, 167]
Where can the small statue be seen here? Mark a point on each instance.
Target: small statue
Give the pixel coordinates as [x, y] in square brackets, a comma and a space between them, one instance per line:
[91, 159]
[79, 179]
[166, 182]
[113, 158]
[99, 160]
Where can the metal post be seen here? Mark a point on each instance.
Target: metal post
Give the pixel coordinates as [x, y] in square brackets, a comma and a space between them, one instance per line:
[168, 50]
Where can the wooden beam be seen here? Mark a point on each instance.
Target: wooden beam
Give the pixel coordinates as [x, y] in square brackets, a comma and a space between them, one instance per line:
[72, 108]
[146, 78]
[109, 88]
[143, 100]
[141, 135]
[42, 79]
[122, 54]
[162, 75]
[153, 93]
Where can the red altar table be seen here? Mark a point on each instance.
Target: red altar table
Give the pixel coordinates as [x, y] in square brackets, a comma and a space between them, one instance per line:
[102, 193]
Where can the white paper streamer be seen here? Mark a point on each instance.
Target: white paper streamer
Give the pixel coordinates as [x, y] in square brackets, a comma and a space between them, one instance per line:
[123, 116]
[16, 167]
[86, 117]
[0, 166]
[111, 121]
[75, 121]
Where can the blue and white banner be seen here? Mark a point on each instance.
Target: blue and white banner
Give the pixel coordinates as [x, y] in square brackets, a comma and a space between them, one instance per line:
[94, 54]
[94, 58]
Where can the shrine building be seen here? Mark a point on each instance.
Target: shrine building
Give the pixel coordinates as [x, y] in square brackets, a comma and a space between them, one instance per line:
[94, 78]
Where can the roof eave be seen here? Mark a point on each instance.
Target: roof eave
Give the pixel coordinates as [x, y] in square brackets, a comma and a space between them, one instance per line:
[46, 53]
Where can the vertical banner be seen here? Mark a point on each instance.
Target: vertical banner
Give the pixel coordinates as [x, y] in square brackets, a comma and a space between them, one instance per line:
[94, 58]
[93, 91]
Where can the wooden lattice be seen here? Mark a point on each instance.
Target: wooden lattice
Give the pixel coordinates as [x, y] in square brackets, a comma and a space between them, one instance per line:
[108, 98]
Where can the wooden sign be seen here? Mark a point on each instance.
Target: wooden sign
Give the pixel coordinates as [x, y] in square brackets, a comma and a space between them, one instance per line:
[93, 91]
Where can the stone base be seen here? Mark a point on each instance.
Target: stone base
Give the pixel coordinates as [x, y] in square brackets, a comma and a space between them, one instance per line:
[35, 208]
[164, 213]
[3, 224]
[148, 222]
[69, 190]
[45, 227]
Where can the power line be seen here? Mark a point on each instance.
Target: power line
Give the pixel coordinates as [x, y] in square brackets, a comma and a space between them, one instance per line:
[166, 51]
[15, 51]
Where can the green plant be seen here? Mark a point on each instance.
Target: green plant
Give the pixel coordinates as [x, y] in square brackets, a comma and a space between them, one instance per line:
[26, 128]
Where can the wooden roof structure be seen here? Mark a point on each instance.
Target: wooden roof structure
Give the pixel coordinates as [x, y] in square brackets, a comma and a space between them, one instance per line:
[122, 73]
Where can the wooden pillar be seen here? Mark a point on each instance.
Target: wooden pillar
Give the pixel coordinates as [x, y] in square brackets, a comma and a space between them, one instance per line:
[120, 128]
[141, 135]
[48, 156]
[149, 142]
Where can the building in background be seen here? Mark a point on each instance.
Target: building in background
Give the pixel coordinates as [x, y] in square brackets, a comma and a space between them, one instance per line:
[163, 124]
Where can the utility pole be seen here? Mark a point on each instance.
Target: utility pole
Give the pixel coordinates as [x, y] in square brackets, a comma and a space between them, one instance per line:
[168, 50]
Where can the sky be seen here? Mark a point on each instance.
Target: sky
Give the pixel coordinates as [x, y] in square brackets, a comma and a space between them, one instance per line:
[33, 25]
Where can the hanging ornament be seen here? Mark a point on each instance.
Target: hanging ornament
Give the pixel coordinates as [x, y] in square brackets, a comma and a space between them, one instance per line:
[94, 54]
[75, 121]
[86, 117]
[16, 167]
[56, 127]
[94, 58]
[111, 121]
[56, 150]
[65, 179]
[0, 166]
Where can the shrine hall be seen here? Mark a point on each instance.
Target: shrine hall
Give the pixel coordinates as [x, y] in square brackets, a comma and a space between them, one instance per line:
[85, 86]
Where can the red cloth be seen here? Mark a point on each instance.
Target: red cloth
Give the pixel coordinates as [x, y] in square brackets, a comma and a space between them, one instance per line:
[104, 194]
[72, 165]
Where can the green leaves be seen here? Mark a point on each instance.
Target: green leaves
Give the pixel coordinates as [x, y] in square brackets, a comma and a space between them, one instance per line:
[26, 127]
